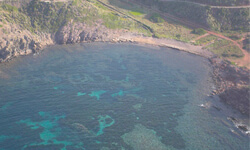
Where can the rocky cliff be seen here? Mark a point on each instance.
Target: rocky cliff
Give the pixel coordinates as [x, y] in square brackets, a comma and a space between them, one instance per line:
[81, 32]
[15, 42]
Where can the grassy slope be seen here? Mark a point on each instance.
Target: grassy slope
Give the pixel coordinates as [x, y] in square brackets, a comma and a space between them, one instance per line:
[163, 29]
[220, 19]
[49, 17]
[222, 2]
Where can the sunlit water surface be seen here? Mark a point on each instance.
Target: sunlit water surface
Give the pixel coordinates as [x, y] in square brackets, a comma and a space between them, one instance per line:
[111, 97]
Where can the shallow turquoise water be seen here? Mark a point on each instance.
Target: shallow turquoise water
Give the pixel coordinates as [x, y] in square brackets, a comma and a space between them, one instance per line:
[108, 96]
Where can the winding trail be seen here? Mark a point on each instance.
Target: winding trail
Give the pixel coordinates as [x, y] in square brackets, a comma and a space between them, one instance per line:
[202, 36]
[204, 5]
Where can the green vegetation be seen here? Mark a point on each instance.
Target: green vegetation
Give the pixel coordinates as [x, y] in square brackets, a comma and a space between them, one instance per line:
[14, 17]
[49, 17]
[114, 21]
[167, 29]
[100, 6]
[222, 2]
[148, 2]
[1, 26]
[4, 31]
[208, 2]
[199, 31]
[221, 47]
[135, 13]
[206, 40]
[231, 19]
[233, 63]
[156, 18]
[188, 11]
[9, 8]
[235, 37]
[75, 2]
[246, 44]
[225, 48]
[220, 19]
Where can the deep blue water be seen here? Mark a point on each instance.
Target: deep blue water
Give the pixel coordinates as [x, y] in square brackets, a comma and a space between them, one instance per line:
[110, 96]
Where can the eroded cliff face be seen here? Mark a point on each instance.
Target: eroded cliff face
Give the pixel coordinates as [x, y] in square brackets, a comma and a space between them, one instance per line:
[15, 41]
[81, 32]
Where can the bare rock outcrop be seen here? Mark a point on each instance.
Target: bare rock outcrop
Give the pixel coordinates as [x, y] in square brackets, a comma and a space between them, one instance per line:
[238, 98]
[81, 32]
[232, 84]
[16, 41]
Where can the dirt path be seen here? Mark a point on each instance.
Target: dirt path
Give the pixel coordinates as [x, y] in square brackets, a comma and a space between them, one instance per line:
[245, 61]
[204, 5]
[202, 36]
[241, 61]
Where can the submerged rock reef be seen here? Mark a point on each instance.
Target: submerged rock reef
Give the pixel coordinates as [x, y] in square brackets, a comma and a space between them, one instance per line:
[142, 138]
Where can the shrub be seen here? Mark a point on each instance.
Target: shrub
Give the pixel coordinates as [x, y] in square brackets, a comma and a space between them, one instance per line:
[135, 13]
[199, 31]
[246, 44]
[9, 8]
[156, 18]
[233, 63]
[234, 37]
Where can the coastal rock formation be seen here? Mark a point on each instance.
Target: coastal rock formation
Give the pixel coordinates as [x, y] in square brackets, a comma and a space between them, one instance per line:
[244, 128]
[232, 84]
[75, 33]
[81, 32]
[21, 42]
[238, 98]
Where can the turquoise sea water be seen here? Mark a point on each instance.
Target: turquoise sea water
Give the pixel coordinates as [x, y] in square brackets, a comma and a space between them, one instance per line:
[112, 97]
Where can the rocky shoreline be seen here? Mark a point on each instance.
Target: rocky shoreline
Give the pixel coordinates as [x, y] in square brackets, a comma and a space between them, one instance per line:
[232, 82]
[22, 42]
